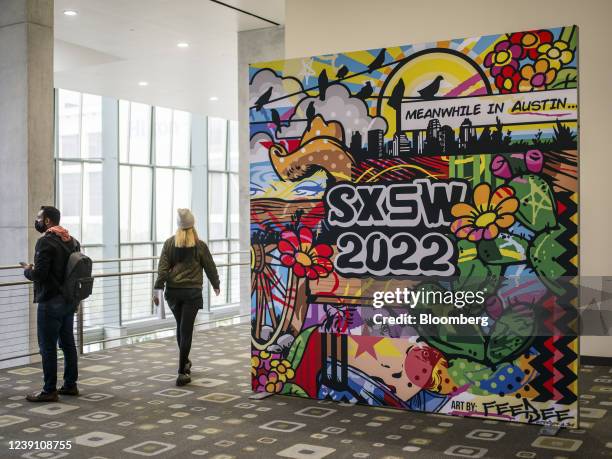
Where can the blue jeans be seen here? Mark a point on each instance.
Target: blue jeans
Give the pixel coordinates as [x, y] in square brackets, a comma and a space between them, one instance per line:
[55, 323]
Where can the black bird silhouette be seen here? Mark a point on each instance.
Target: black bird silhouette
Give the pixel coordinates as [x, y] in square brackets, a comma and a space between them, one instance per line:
[429, 91]
[310, 114]
[323, 84]
[342, 72]
[395, 101]
[263, 99]
[366, 91]
[276, 119]
[378, 60]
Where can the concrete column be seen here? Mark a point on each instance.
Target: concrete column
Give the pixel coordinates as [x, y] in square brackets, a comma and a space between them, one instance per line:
[111, 313]
[26, 138]
[253, 46]
[199, 186]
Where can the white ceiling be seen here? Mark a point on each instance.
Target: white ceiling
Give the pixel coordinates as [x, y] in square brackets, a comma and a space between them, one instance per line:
[111, 45]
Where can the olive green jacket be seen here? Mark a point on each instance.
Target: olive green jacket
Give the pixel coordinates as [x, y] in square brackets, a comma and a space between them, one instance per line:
[186, 274]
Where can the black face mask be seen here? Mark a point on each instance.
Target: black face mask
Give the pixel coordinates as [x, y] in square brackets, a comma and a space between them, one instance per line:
[39, 226]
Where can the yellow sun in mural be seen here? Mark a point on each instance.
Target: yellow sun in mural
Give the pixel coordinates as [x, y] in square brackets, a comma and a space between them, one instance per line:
[460, 78]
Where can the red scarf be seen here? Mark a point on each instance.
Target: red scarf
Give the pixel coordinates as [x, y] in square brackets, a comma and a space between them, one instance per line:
[61, 232]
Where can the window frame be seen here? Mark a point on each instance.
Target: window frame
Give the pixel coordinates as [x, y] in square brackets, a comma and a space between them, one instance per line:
[228, 239]
[80, 160]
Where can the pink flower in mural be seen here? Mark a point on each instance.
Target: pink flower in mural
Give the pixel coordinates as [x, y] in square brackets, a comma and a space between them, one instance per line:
[307, 259]
[270, 382]
[489, 212]
[530, 41]
[504, 54]
[536, 77]
[270, 372]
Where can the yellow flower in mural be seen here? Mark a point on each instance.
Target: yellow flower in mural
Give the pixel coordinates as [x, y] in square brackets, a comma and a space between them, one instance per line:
[557, 53]
[489, 213]
[537, 76]
[255, 363]
[283, 369]
[273, 383]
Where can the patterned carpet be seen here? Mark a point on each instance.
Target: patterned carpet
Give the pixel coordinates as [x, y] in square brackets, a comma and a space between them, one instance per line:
[130, 408]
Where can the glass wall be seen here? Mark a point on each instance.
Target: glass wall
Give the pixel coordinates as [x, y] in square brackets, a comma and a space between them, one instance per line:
[154, 179]
[223, 213]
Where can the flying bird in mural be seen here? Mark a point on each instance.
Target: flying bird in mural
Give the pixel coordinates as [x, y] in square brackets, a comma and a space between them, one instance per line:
[263, 99]
[429, 91]
[276, 119]
[366, 91]
[378, 60]
[323, 84]
[342, 72]
[310, 114]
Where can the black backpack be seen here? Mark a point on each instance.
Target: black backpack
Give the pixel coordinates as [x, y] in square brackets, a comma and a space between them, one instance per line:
[78, 283]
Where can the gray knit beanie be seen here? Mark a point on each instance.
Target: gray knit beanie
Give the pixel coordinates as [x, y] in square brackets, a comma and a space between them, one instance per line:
[184, 219]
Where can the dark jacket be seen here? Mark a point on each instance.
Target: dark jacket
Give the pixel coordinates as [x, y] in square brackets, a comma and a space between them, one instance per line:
[182, 268]
[50, 261]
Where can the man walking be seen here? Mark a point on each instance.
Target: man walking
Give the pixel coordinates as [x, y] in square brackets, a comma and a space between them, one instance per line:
[55, 316]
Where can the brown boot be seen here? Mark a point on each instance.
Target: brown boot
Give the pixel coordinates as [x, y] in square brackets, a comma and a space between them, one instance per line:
[68, 391]
[42, 397]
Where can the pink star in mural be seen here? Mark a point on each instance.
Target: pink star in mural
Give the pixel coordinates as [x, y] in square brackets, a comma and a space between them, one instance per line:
[366, 344]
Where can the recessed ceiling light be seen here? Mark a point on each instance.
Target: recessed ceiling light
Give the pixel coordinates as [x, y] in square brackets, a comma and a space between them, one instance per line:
[183, 44]
[70, 12]
[143, 83]
[214, 98]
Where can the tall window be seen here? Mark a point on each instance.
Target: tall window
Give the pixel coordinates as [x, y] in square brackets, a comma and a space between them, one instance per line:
[223, 206]
[154, 180]
[78, 161]
[79, 166]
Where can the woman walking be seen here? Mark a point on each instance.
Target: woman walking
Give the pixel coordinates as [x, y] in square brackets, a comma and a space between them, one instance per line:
[180, 271]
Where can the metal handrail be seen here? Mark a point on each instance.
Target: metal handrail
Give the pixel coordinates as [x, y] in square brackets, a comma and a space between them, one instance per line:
[156, 257]
[80, 318]
[116, 260]
[117, 274]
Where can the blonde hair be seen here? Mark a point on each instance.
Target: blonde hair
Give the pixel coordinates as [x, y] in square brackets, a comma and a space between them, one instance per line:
[185, 237]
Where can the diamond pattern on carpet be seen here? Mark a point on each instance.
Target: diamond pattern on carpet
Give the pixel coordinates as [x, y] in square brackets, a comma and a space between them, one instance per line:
[130, 408]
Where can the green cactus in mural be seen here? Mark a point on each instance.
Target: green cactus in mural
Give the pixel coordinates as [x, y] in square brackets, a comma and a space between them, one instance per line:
[474, 274]
[465, 341]
[511, 335]
[544, 252]
[505, 249]
[537, 209]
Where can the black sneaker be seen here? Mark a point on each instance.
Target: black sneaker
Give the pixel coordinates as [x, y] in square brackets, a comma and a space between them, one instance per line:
[42, 397]
[70, 391]
[187, 369]
[183, 379]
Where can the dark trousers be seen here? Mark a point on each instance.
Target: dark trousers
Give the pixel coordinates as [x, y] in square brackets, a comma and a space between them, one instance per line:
[185, 315]
[55, 326]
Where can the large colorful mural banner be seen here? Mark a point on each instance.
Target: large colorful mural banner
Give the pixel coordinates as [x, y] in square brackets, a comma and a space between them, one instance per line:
[414, 236]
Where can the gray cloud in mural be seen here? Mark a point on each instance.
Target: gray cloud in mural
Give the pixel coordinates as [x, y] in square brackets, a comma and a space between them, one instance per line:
[258, 151]
[281, 87]
[340, 106]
